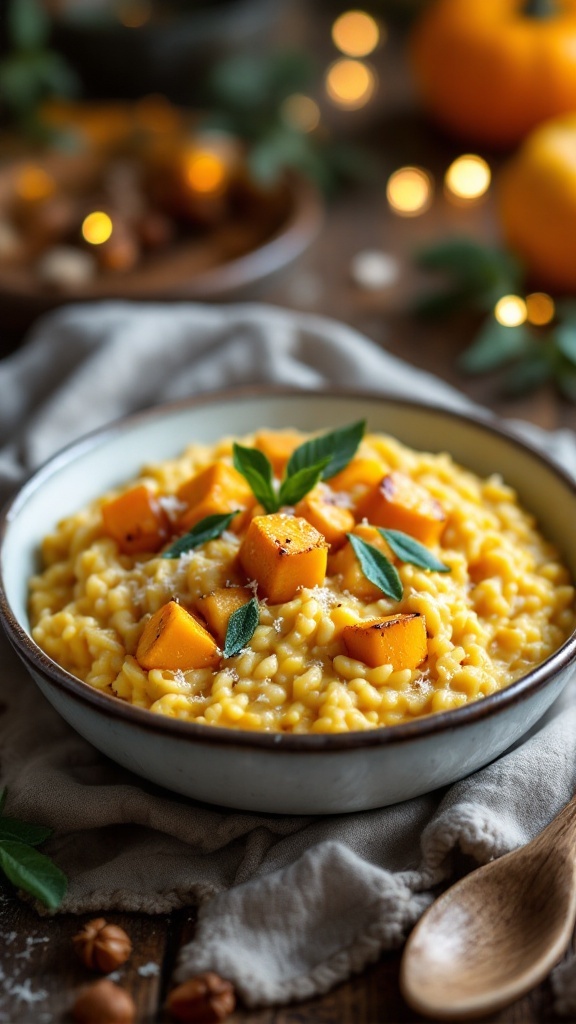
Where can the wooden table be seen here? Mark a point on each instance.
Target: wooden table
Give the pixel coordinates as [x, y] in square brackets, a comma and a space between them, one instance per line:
[35, 952]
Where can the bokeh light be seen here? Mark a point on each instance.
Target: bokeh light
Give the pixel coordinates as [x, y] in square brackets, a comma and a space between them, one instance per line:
[205, 172]
[350, 83]
[300, 112]
[409, 191]
[540, 308]
[97, 227]
[510, 311]
[134, 13]
[468, 177]
[155, 113]
[34, 184]
[356, 33]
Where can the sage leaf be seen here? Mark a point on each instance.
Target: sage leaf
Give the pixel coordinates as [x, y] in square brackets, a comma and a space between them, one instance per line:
[377, 568]
[23, 832]
[241, 627]
[494, 346]
[407, 549]
[32, 871]
[566, 341]
[207, 529]
[294, 487]
[338, 447]
[257, 470]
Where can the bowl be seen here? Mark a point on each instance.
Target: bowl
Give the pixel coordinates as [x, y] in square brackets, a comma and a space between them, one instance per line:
[276, 772]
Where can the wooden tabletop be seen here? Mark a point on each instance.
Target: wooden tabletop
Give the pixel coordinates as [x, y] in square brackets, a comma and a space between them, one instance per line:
[38, 976]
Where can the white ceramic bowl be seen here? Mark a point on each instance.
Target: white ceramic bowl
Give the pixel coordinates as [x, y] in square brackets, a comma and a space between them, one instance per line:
[317, 774]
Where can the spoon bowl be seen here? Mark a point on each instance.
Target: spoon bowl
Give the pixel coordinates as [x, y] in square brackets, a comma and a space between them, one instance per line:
[497, 932]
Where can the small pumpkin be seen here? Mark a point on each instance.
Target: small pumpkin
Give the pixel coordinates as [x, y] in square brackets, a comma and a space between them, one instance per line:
[490, 70]
[537, 201]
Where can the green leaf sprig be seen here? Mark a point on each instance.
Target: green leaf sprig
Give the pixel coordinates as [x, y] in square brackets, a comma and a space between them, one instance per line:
[380, 571]
[207, 529]
[23, 865]
[317, 459]
[241, 628]
[526, 356]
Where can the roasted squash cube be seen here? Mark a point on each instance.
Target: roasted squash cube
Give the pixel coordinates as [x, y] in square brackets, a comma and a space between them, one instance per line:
[173, 639]
[331, 520]
[277, 446]
[399, 503]
[397, 640]
[360, 472]
[216, 490]
[344, 563]
[283, 553]
[218, 606]
[136, 521]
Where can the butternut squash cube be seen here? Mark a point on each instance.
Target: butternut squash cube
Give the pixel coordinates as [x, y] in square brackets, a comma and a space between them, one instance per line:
[359, 471]
[331, 520]
[397, 640]
[283, 553]
[216, 490]
[277, 446]
[399, 503]
[217, 607]
[136, 521]
[173, 639]
[344, 563]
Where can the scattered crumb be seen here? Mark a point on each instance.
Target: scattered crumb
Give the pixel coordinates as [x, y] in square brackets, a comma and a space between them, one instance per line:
[149, 970]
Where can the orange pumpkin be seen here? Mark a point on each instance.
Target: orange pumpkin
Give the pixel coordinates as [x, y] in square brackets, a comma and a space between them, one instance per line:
[537, 201]
[490, 70]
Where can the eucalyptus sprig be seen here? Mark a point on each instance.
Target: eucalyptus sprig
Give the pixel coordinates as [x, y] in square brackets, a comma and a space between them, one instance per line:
[380, 571]
[317, 459]
[526, 356]
[23, 865]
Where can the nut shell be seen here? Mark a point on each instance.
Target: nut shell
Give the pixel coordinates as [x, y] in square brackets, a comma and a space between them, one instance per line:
[205, 999]
[103, 1002]
[102, 946]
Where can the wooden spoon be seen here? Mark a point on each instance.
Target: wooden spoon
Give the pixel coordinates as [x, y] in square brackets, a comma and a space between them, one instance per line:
[497, 932]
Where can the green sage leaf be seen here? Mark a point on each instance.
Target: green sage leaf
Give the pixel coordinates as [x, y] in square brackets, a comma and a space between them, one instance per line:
[494, 347]
[207, 529]
[407, 549]
[257, 470]
[338, 447]
[23, 832]
[377, 568]
[32, 871]
[565, 337]
[241, 627]
[294, 487]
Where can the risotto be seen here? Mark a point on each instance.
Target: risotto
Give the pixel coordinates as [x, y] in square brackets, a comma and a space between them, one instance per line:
[256, 584]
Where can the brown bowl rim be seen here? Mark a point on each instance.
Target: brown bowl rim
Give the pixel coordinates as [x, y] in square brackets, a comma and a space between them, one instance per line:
[112, 707]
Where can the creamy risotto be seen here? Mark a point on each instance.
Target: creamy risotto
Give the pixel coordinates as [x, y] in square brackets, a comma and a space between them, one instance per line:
[280, 620]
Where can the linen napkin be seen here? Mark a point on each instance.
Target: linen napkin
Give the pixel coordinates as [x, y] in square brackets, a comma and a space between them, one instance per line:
[289, 905]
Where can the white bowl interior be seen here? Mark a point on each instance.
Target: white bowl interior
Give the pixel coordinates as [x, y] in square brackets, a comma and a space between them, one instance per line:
[103, 461]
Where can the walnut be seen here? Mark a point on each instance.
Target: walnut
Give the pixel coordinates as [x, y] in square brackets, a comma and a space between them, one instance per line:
[102, 946]
[206, 999]
[103, 1002]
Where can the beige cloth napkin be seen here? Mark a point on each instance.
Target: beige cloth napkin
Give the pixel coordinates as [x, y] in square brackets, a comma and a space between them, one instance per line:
[289, 906]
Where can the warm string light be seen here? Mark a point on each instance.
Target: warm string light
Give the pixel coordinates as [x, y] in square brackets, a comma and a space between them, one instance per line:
[409, 191]
[510, 311]
[356, 33]
[300, 112]
[97, 228]
[468, 178]
[33, 184]
[134, 13]
[540, 309]
[205, 172]
[350, 84]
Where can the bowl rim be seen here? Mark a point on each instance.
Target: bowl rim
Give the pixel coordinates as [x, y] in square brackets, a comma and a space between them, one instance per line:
[112, 707]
